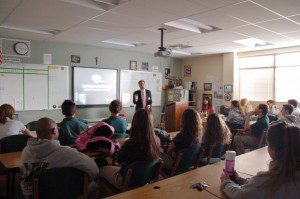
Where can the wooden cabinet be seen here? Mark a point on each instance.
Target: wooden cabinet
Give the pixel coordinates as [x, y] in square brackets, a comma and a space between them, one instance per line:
[174, 111]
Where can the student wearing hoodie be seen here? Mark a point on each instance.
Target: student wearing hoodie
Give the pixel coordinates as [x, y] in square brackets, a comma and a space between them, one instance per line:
[286, 115]
[282, 180]
[47, 149]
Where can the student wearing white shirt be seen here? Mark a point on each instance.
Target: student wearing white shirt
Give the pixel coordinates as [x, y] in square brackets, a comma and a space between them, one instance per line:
[8, 126]
[296, 111]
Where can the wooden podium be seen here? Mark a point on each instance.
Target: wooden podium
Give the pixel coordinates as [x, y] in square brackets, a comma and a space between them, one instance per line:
[174, 111]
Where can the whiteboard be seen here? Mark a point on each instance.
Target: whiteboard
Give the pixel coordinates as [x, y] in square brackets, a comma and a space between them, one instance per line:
[129, 83]
[29, 86]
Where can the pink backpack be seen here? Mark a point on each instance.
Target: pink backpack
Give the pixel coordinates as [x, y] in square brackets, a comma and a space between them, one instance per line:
[98, 137]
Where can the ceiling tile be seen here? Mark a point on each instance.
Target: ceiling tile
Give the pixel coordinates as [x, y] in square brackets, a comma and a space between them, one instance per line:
[6, 7]
[213, 4]
[259, 33]
[295, 35]
[283, 7]
[295, 18]
[222, 21]
[180, 8]
[52, 14]
[249, 12]
[280, 25]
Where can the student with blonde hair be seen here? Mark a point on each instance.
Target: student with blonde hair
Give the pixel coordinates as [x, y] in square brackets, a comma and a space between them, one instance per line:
[9, 126]
[246, 106]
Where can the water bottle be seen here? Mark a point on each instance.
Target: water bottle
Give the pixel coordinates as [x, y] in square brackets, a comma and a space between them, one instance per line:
[229, 164]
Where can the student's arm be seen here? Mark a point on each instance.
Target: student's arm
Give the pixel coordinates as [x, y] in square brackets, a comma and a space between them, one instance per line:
[248, 120]
[27, 132]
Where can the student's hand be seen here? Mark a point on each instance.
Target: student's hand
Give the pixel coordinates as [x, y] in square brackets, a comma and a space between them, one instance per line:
[236, 176]
[224, 176]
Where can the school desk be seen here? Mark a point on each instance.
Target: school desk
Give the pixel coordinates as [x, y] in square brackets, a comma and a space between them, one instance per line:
[179, 186]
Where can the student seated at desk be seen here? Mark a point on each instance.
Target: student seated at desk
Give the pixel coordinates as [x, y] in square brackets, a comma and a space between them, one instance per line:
[47, 149]
[119, 124]
[217, 135]
[207, 106]
[8, 126]
[142, 145]
[235, 118]
[296, 111]
[285, 115]
[252, 133]
[273, 110]
[190, 136]
[70, 127]
[246, 106]
[282, 180]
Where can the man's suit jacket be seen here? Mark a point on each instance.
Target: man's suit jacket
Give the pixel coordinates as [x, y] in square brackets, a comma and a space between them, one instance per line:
[139, 102]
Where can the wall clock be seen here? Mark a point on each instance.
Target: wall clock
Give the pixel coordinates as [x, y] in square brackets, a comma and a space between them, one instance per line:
[21, 48]
[227, 96]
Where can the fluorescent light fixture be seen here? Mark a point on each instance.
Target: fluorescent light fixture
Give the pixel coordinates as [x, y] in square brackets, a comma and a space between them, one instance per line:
[251, 42]
[189, 25]
[181, 52]
[25, 29]
[122, 43]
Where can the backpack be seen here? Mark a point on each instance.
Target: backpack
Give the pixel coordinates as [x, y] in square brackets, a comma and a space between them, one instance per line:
[98, 137]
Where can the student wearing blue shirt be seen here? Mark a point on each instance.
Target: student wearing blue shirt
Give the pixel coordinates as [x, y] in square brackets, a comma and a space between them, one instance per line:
[119, 124]
[70, 127]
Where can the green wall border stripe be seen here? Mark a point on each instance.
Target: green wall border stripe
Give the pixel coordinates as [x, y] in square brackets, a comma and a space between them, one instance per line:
[12, 68]
[10, 73]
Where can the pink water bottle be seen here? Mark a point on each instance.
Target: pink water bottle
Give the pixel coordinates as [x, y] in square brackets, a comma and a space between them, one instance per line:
[229, 164]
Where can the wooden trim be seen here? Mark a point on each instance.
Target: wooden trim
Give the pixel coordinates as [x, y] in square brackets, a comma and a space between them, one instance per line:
[85, 186]
[36, 188]
[127, 180]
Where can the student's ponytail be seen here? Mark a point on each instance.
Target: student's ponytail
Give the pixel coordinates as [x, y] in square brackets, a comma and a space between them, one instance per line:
[6, 110]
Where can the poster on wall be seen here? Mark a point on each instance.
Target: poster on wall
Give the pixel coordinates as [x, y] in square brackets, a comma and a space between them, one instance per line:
[187, 70]
[167, 73]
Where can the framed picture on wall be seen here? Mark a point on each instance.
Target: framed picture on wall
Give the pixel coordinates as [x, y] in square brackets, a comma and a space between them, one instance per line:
[75, 58]
[228, 88]
[145, 66]
[167, 73]
[187, 70]
[133, 65]
[207, 86]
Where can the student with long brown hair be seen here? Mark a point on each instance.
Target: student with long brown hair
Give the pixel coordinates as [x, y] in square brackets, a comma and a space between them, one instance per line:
[190, 136]
[142, 145]
[8, 126]
[282, 180]
[216, 135]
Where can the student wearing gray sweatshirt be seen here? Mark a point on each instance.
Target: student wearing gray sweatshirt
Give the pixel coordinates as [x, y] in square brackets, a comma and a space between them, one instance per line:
[46, 149]
[282, 180]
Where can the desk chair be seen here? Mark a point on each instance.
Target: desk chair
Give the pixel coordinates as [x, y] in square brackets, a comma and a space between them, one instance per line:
[136, 174]
[261, 143]
[60, 183]
[31, 126]
[13, 143]
[186, 160]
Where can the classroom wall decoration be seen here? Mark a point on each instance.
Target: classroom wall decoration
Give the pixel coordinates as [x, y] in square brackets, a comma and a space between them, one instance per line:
[228, 88]
[207, 86]
[145, 66]
[75, 58]
[133, 65]
[187, 70]
[167, 73]
[227, 96]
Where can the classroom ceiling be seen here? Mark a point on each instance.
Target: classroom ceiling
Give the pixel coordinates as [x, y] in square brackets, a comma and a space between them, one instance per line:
[274, 21]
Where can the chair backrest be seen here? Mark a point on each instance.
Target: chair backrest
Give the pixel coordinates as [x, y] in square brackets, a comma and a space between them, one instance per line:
[185, 160]
[141, 173]
[31, 126]
[13, 143]
[64, 183]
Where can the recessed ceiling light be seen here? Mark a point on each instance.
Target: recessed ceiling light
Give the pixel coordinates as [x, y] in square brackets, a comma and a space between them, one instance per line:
[123, 43]
[181, 52]
[25, 29]
[251, 42]
[191, 25]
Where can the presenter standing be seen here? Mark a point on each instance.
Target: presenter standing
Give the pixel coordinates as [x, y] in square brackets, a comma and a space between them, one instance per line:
[142, 98]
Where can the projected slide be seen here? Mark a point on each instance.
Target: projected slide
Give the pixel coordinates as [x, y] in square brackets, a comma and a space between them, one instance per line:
[94, 86]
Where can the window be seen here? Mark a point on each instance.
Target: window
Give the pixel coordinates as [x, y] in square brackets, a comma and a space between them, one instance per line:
[275, 76]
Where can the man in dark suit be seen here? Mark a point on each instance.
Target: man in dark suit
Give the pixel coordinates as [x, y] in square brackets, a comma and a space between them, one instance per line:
[142, 98]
